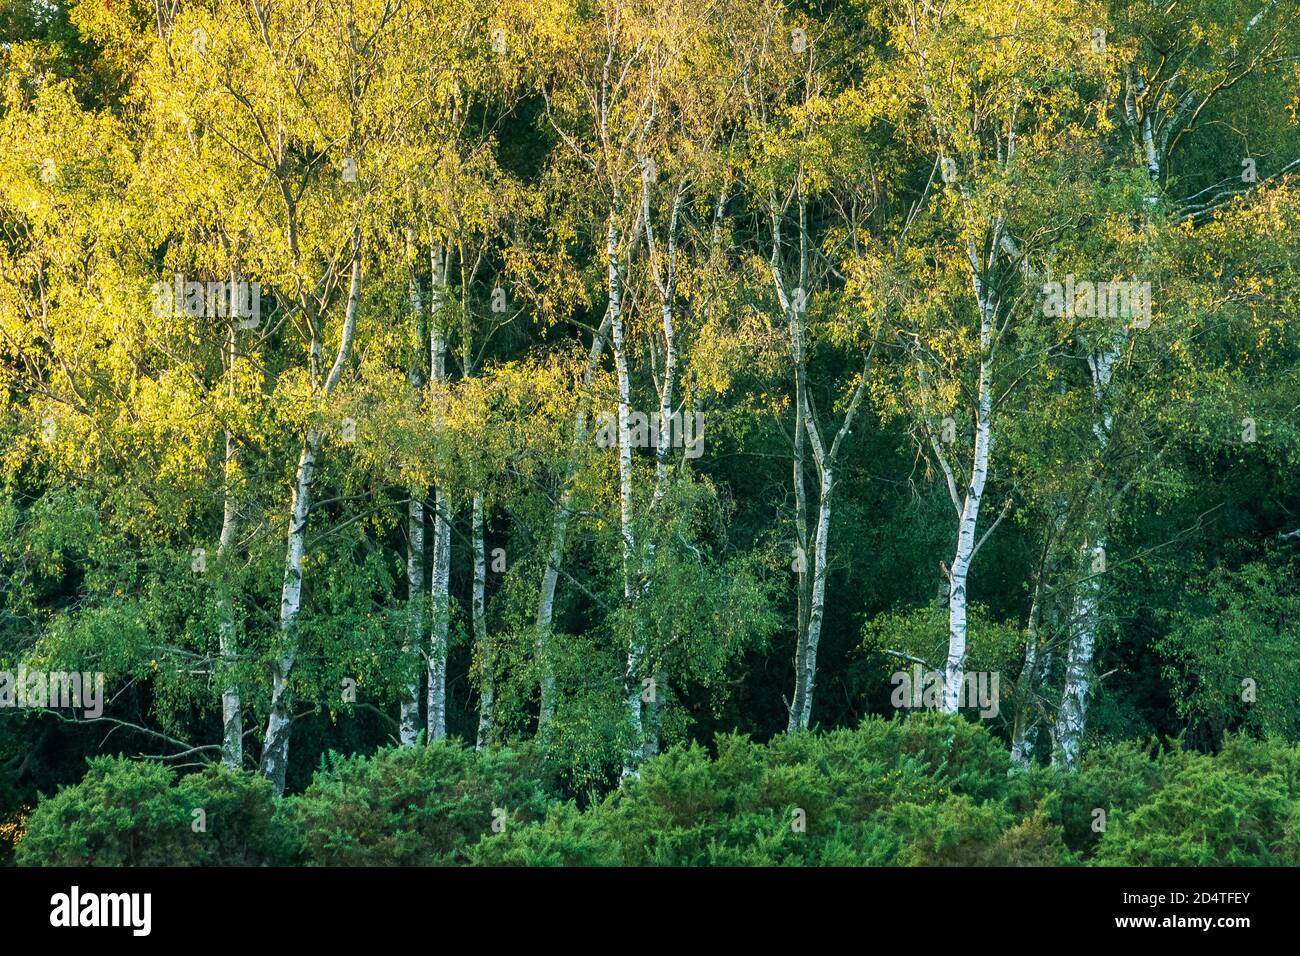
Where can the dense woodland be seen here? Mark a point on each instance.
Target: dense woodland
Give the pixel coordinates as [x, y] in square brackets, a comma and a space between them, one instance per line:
[650, 431]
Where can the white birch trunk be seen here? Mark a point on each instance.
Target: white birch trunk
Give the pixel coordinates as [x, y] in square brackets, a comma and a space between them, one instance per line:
[811, 600]
[636, 650]
[409, 728]
[955, 666]
[409, 722]
[440, 599]
[232, 723]
[666, 283]
[806, 652]
[1078, 666]
[1085, 620]
[275, 750]
[479, 613]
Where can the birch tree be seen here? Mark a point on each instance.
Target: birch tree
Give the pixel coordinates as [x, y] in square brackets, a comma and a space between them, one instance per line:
[983, 126]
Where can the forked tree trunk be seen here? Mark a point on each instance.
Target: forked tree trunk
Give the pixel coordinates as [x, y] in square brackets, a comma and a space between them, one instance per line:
[1085, 620]
[275, 750]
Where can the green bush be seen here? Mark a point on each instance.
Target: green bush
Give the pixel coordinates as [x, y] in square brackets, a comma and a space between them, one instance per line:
[925, 790]
[1207, 814]
[136, 813]
[416, 806]
[922, 790]
[1116, 778]
[566, 837]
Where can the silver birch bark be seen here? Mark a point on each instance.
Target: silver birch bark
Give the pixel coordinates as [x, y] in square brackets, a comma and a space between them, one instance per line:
[232, 723]
[665, 282]
[409, 728]
[806, 651]
[1084, 622]
[479, 613]
[440, 599]
[811, 601]
[967, 545]
[409, 724]
[275, 751]
[636, 649]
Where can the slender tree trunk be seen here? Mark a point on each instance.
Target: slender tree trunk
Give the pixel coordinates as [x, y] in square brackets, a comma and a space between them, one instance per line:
[1085, 620]
[803, 580]
[966, 543]
[441, 576]
[409, 726]
[636, 649]
[409, 729]
[275, 750]
[479, 610]
[1028, 716]
[806, 652]
[666, 282]
[232, 721]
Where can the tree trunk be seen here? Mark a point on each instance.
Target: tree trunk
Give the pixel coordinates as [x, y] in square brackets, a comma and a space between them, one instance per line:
[479, 610]
[636, 649]
[806, 652]
[1078, 665]
[410, 708]
[441, 576]
[409, 725]
[1027, 714]
[232, 722]
[1084, 621]
[275, 750]
[955, 667]
[666, 283]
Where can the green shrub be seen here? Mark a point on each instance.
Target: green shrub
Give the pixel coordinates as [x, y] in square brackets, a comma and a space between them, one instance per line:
[566, 837]
[415, 806]
[923, 790]
[1116, 778]
[136, 813]
[928, 789]
[1207, 814]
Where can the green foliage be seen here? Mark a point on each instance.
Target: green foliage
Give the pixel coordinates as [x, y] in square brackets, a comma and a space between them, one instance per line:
[566, 837]
[416, 806]
[926, 790]
[136, 813]
[921, 791]
[1231, 651]
[1206, 814]
[506, 177]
